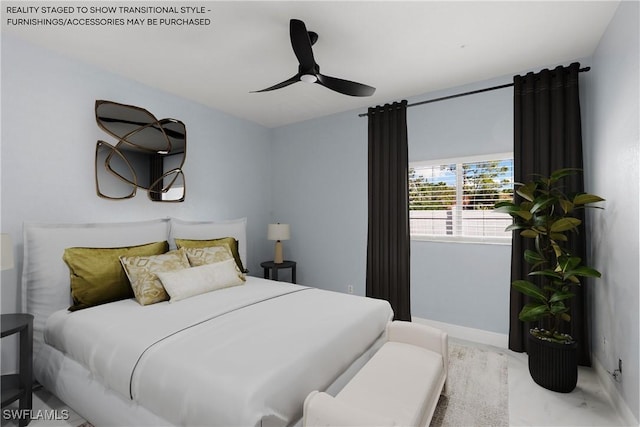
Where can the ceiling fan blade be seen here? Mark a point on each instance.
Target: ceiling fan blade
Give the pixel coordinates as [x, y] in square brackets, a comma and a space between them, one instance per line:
[309, 71]
[301, 44]
[285, 83]
[345, 86]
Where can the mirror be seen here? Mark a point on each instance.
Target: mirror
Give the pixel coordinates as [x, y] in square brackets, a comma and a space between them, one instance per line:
[149, 154]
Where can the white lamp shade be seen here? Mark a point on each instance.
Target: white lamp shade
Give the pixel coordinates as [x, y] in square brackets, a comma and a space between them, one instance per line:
[278, 232]
[6, 252]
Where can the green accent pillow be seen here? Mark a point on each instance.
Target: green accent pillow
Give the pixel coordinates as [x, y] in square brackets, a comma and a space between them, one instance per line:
[233, 245]
[97, 276]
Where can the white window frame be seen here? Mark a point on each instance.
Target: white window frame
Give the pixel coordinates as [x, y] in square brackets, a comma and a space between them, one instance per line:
[459, 184]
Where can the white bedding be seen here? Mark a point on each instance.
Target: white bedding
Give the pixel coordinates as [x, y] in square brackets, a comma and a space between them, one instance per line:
[239, 356]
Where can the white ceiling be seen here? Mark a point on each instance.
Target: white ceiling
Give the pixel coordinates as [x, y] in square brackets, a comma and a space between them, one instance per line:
[401, 48]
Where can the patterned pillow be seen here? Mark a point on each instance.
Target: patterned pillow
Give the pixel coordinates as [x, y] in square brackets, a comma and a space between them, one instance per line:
[141, 271]
[210, 255]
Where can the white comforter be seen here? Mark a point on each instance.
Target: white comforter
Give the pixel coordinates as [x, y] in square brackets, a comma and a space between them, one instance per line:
[237, 357]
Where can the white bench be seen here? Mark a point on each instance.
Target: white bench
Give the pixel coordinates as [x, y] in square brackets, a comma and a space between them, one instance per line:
[399, 386]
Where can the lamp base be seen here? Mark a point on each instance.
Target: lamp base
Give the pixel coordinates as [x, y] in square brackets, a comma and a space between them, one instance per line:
[277, 259]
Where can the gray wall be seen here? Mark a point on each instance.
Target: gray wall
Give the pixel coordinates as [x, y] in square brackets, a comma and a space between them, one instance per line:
[316, 180]
[320, 188]
[464, 284]
[612, 157]
[48, 146]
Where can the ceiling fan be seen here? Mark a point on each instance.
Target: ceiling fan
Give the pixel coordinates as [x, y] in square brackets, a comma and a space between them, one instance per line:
[309, 70]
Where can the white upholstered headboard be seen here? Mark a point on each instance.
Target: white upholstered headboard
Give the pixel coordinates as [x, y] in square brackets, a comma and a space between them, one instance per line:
[45, 276]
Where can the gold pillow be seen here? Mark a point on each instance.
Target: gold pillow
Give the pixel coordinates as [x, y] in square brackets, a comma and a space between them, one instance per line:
[208, 255]
[230, 241]
[211, 255]
[141, 271]
[97, 276]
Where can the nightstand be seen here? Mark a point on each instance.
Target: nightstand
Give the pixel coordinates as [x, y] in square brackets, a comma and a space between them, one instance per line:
[270, 265]
[18, 386]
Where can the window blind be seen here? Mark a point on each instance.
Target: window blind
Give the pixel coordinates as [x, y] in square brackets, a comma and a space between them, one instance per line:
[455, 199]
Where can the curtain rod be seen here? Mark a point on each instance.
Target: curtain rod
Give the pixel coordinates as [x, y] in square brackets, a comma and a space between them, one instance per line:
[473, 92]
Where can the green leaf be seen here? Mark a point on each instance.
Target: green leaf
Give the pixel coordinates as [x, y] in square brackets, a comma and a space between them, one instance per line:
[558, 237]
[533, 257]
[557, 250]
[525, 206]
[558, 308]
[542, 203]
[568, 263]
[515, 227]
[530, 289]
[532, 312]
[585, 271]
[530, 234]
[503, 203]
[527, 191]
[526, 215]
[561, 296]
[566, 205]
[512, 209]
[566, 317]
[585, 198]
[561, 173]
[505, 207]
[547, 273]
[565, 224]
[573, 279]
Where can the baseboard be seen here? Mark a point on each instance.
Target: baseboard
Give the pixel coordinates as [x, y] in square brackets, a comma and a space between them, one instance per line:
[468, 334]
[614, 395]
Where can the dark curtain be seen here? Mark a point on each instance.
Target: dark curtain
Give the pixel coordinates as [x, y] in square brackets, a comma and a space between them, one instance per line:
[388, 230]
[547, 137]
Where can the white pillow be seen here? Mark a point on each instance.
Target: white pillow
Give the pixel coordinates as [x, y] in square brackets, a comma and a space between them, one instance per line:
[207, 230]
[181, 284]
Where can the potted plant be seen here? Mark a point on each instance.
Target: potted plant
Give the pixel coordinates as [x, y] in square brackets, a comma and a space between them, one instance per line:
[547, 215]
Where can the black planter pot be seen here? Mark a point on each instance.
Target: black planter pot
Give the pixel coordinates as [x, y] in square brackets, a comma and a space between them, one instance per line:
[552, 365]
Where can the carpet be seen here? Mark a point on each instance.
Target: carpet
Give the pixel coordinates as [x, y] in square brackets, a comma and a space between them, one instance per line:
[477, 389]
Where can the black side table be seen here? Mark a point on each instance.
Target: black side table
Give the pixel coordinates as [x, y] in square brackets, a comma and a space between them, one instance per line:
[270, 265]
[18, 386]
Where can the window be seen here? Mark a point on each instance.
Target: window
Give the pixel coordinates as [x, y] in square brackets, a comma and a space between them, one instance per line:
[453, 199]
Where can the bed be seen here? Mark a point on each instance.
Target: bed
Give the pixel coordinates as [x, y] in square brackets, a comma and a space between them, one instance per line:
[239, 356]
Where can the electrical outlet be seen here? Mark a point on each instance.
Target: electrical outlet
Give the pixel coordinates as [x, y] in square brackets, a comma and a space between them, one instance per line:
[350, 289]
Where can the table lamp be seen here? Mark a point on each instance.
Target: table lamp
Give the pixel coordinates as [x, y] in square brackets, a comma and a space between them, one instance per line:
[6, 252]
[278, 232]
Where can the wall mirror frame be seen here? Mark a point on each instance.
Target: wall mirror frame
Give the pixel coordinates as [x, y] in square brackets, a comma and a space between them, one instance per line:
[149, 154]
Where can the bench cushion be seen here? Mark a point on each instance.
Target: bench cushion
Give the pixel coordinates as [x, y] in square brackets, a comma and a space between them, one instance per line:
[399, 382]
